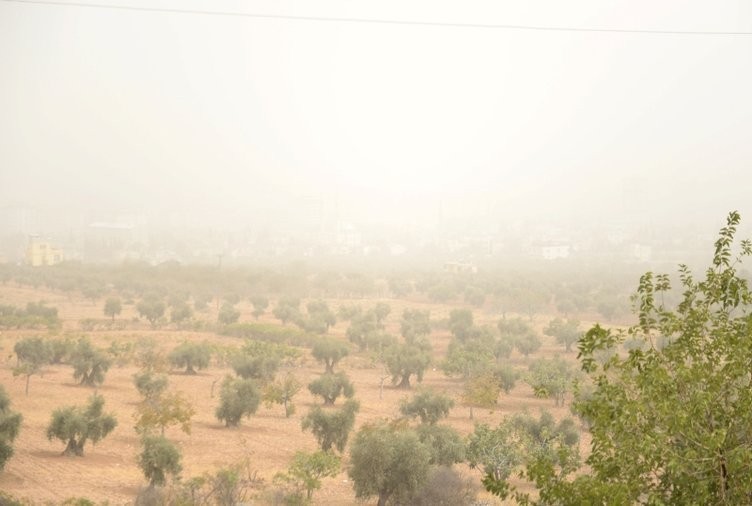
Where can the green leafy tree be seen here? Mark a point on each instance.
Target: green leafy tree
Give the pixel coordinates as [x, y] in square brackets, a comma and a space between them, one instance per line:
[282, 392]
[89, 364]
[502, 347]
[443, 442]
[228, 314]
[163, 411]
[10, 424]
[113, 307]
[469, 358]
[331, 428]
[60, 349]
[307, 469]
[566, 332]
[329, 351]
[192, 356]
[361, 327]
[318, 311]
[330, 386]
[158, 459]
[521, 439]
[75, 425]
[287, 310]
[415, 324]
[180, 312]
[152, 309]
[527, 344]
[427, 405]
[406, 360]
[348, 312]
[238, 398]
[461, 323]
[481, 392]
[258, 366]
[32, 353]
[551, 378]
[259, 305]
[669, 425]
[149, 384]
[389, 462]
[506, 376]
[381, 310]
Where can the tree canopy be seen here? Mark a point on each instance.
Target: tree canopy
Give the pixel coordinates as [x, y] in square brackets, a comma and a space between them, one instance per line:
[192, 356]
[330, 386]
[159, 458]
[238, 398]
[389, 462]
[427, 405]
[75, 425]
[331, 428]
[329, 351]
[10, 423]
[670, 424]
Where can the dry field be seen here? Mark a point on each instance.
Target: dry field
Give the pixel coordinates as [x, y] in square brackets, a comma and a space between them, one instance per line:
[268, 440]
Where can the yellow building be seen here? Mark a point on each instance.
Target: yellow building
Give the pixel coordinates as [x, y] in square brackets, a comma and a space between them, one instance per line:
[42, 252]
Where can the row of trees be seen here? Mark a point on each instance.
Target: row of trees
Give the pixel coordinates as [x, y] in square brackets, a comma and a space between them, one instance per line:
[569, 289]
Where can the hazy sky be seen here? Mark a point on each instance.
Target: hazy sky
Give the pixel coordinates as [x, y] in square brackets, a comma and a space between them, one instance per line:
[217, 116]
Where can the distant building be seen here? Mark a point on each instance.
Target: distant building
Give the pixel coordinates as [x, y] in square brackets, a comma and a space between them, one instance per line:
[40, 252]
[460, 267]
[554, 251]
[640, 252]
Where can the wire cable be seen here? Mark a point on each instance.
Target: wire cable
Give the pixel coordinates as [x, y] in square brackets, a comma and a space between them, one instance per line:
[395, 22]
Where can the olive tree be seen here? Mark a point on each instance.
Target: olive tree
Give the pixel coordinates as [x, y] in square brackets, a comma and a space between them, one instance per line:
[152, 309]
[192, 356]
[566, 332]
[331, 386]
[158, 459]
[149, 384]
[415, 324]
[238, 398]
[75, 425]
[32, 353]
[331, 428]
[89, 364]
[389, 462]
[260, 304]
[551, 378]
[427, 405]
[406, 360]
[113, 307]
[10, 423]
[329, 351]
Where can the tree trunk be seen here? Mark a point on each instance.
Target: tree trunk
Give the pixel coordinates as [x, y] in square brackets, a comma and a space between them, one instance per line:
[28, 377]
[73, 448]
[471, 412]
[405, 383]
[383, 496]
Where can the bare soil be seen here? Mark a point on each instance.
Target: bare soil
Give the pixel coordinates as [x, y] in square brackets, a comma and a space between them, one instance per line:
[108, 471]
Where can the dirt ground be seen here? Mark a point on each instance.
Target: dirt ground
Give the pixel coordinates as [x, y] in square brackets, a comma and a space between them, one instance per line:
[268, 440]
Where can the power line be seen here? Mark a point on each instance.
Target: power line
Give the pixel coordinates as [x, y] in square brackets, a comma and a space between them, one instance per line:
[394, 22]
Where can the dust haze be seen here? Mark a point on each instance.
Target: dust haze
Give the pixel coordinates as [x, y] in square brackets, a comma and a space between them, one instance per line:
[187, 136]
